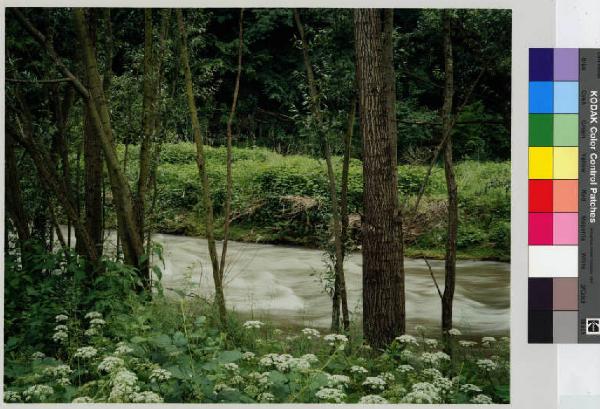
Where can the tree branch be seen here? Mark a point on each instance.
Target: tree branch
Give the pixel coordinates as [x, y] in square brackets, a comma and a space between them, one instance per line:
[49, 81]
[433, 277]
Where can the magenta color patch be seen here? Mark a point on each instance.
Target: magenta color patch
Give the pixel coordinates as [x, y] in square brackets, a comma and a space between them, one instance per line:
[540, 229]
[565, 228]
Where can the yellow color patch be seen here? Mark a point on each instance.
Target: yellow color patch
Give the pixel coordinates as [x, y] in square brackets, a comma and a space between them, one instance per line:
[540, 163]
[565, 162]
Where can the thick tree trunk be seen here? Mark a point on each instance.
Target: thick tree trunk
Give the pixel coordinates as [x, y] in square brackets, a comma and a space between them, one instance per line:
[201, 162]
[339, 298]
[133, 248]
[383, 270]
[447, 123]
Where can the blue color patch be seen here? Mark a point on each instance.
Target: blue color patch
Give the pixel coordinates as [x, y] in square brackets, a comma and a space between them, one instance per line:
[566, 99]
[540, 97]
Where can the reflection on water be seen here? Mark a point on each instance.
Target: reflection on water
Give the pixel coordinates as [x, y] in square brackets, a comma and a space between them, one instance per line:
[281, 283]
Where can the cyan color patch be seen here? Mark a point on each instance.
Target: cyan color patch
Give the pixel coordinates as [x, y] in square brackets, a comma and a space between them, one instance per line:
[540, 97]
[566, 97]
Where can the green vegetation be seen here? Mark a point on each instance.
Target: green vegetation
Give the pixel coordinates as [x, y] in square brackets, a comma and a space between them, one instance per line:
[284, 199]
[110, 345]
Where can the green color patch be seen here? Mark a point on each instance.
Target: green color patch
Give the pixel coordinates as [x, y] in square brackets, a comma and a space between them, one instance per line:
[540, 129]
[565, 129]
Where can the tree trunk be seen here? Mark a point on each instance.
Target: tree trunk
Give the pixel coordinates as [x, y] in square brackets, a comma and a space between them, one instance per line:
[450, 259]
[92, 171]
[339, 298]
[14, 199]
[229, 181]
[133, 248]
[383, 269]
[201, 162]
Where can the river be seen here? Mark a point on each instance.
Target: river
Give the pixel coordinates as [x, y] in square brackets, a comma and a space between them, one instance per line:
[281, 283]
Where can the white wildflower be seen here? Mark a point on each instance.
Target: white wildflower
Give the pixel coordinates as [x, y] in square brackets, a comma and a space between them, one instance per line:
[38, 392]
[372, 399]
[230, 366]
[253, 324]
[331, 394]
[266, 397]
[311, 333]
[281, 362]
[487, 341]
[97, 322]
[482, 399]
[92, 315]
[430, 342]
[467, 344]
[469, 387]
[441, 356]
[61, 327]
[110, 363]
[454, 332]
[337, 381]
[12, 396]
[91, 332]
[146, 397]
[124, 384]
[159, 375]
[60, 337]
[338, 340]
[432, 373]
[356, 369]
[123, 349]
[85, 352]
[387, 376]
[420, 397]
[487, 365]
[407, 339]
[61, 317]
[83, 399]
[443, 384]
[248, 356]
[299, 364]
[310, 358]
[277, 331]
[405, 368]
[59, 371]
[375, 382]
[38, 356]
[407, 354]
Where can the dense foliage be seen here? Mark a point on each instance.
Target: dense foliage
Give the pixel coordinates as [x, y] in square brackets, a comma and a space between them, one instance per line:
[284, 199]
[112, 346]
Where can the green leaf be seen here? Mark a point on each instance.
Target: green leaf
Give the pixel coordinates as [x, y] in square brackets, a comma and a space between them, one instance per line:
[161, 341]
[138, 340]
[229, 356]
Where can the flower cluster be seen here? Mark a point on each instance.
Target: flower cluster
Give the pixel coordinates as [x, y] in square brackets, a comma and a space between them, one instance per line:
[331, 395]
[311, 333]
[38, 393]
[337, 381]
[372, 399]
[85, 352]
[160, 375]
[407, 340]
[487, 365]
[337, 340]
[375, 382]
[253, 324]
[110, 363]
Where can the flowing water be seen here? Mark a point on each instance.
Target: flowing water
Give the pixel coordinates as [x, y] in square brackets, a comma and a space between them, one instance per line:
[282, 284]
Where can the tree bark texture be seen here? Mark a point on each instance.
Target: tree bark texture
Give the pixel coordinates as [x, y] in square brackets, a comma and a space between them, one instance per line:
[383, 270]
[201, 162]
[452, 229]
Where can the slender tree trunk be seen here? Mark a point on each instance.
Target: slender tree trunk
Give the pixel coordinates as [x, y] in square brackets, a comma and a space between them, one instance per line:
[339, 298]
[383, 271]
[13, 195]
[229, 182]
[345, 172]
[201, 162]
[450, 259]
[149, 129]
[93, 166]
